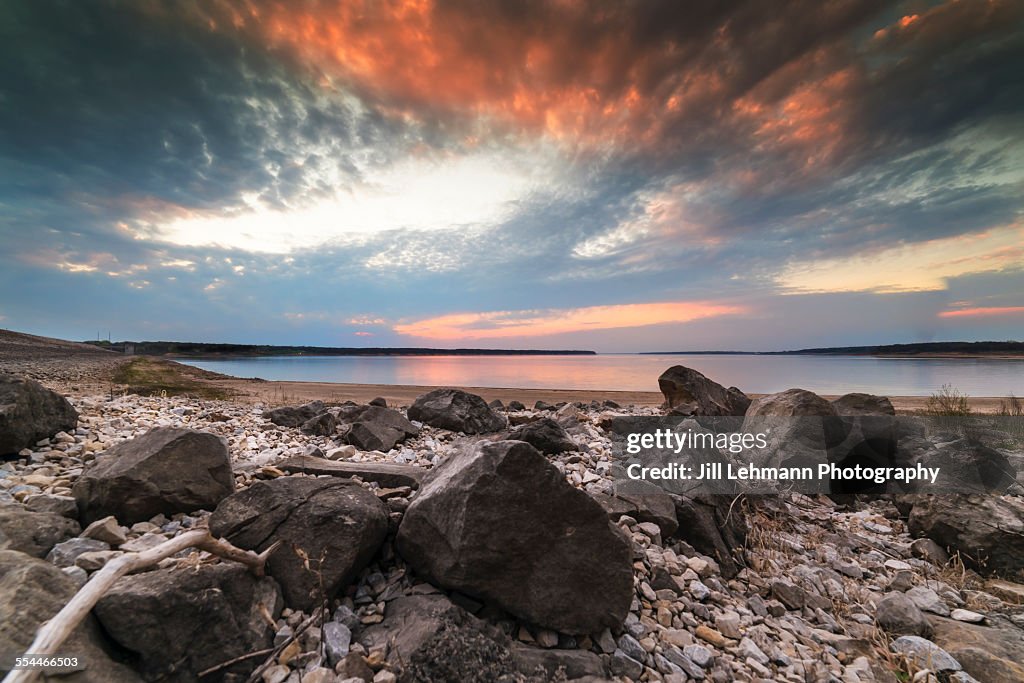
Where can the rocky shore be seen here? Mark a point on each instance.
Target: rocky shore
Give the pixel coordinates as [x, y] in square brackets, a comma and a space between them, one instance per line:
[452, 540]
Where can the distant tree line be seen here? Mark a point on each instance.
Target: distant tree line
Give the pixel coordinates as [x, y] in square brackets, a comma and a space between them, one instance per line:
[197, 349]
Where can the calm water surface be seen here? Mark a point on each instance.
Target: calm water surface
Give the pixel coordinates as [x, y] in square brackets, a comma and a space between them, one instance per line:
[626, 372]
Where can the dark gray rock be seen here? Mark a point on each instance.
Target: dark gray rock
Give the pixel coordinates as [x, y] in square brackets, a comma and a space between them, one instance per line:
[337, 638]
[324, 424]
[500, 523]
[457, 411]
[546, 435]
[643, 502]
[64, 554]
[33, 591]
[430, 639]
[294, 416]
[29, 412]
[165, 471]
[715, 527]
[65, 506]
[373, 436]
[180, 621]
[380, 402]
[965, 466]
[544, 405]
[898, 615]
[337, 525]
[987, 530]
[496, 404]
[802, 428]
[516, 405]
[382, 416]
[548, 665]
[871, 438]
[688, 392]
[34, 533]
[378, 429]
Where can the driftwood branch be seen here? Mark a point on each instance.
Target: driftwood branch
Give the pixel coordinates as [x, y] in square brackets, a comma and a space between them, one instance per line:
[53, 633]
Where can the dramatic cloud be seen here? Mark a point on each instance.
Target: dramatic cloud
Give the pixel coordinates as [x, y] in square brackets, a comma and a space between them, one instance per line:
[381, 172]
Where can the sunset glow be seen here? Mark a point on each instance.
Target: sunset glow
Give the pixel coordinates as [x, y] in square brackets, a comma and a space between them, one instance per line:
[505, 324]
[615, 176]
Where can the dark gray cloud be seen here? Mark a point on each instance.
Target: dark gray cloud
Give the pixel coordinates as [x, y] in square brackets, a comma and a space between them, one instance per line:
[700, 148]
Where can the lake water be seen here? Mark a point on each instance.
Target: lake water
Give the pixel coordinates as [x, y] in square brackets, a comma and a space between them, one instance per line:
[628, 372]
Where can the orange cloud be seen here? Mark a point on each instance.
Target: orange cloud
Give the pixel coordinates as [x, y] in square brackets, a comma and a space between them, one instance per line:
[983, 311]
[503, 324]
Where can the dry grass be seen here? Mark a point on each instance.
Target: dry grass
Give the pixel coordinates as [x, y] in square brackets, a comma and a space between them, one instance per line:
[1011, 406]
[948, 401]
[147, 376]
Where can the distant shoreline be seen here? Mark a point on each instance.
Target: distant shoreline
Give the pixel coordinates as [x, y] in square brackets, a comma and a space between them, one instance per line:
[1004, 350]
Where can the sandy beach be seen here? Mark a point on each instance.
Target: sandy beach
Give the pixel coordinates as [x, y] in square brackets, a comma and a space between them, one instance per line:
[281, 393]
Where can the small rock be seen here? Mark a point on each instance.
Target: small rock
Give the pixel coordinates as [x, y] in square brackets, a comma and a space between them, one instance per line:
[276, 674]
[64, 554]
[728, 625]
[699, 655]
[968, 616]
[898, 614]
[710, 635]
[925, 654]
[928, 600]
[927, 549]
[106, 530]
[897, 565]
[337, 638]
[94, 560]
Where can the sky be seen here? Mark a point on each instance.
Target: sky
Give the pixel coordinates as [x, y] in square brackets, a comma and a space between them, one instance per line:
[615, 176]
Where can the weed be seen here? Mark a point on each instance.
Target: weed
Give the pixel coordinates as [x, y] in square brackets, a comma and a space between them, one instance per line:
[948, 401]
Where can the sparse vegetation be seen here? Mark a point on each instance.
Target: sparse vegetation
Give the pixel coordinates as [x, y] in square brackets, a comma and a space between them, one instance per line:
[1011, 406]
[154, 377]
[948, 401]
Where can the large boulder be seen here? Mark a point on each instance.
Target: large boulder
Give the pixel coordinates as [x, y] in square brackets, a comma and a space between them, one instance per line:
[688, 392]
[499, 522]
[180, 621]
[966, 465]
[987, 530]
[294, 416]
[336, 524]
[546, 435]
[871, 437]
[167, 470]
[34, 533]
[992, 653]
[801, 428]
[457, 411]
[33, 591]
[30, 412]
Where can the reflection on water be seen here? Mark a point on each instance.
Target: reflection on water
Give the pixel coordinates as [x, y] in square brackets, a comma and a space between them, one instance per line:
[752, 374]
